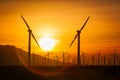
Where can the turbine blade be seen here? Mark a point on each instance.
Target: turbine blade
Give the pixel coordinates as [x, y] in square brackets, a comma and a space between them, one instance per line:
[79, 31]
[25, 22]
[84, 24]
[73, 40]
[35, 39]
[30, 29]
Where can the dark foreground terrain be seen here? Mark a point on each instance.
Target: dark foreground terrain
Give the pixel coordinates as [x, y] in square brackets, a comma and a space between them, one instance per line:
[60, 73]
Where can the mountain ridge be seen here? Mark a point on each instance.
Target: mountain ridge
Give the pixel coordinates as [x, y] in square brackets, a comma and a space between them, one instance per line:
[11, 55]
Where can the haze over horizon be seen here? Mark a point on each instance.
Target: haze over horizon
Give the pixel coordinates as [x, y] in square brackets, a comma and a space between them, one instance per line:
[60, 19]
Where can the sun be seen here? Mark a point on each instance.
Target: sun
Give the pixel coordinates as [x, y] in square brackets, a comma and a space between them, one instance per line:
[47, 43]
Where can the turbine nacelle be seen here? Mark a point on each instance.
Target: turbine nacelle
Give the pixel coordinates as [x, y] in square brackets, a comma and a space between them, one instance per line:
[78, 31]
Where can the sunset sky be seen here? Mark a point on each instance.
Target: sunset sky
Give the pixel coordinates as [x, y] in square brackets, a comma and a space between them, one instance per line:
[60, 19]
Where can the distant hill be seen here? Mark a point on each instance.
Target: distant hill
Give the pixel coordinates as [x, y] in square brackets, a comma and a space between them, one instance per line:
[11, 55]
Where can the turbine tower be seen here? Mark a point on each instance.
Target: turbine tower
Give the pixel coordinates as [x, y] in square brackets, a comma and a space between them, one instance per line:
[78, 35]
[29, 40]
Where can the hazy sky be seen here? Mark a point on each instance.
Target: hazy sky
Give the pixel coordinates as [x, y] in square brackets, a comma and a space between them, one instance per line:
[61, 19]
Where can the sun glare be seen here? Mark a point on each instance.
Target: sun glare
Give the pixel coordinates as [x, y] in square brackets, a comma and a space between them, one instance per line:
[47, 43]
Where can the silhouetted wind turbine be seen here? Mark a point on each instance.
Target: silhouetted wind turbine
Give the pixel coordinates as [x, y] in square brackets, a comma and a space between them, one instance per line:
[78, 35]
[99, 57]
[63, 57]
[83, 55]
[29, 40]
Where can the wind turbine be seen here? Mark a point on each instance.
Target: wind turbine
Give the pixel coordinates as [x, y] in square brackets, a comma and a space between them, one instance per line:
[99, 57]
[78, 35]
[83, 56]
[29, 40]
[63, 57]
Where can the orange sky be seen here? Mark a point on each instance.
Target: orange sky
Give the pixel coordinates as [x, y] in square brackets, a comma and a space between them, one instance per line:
[61, 19]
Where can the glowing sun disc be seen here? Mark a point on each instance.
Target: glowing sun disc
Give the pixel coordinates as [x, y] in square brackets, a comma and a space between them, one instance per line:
[47, 43]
